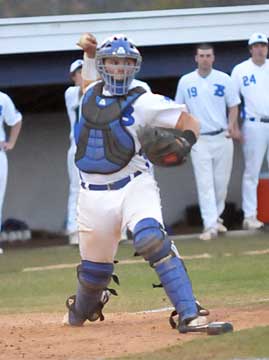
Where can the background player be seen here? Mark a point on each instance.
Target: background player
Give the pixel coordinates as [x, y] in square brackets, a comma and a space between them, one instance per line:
[208, 93]
[251, 78]
[72, 98]
[117, 187]
[11, 117]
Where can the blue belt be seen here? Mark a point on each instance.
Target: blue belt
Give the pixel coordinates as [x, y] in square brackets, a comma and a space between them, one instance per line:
[216, 132]
[112, 186]
[264, 120]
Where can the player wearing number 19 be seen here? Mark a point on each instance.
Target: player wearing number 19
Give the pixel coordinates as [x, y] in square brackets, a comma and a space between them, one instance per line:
[208, 93]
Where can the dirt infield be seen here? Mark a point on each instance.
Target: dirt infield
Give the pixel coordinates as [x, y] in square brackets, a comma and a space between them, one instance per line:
[41, 336]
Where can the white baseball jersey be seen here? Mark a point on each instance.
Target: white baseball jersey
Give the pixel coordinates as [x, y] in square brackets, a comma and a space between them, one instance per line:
[207, 98]
[252, 82]
[8, 114]
[72, 99]
[148, 109]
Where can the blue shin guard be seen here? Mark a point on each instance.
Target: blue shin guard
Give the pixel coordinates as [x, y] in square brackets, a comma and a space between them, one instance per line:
[93, 279]
[151, 242]
[177, 286]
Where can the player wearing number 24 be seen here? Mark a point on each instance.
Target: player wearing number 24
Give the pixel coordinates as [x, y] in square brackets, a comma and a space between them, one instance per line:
[117, 186]
[251, 79]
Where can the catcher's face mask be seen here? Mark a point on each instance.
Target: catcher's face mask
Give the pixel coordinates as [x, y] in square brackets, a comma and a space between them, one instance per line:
[117, 61]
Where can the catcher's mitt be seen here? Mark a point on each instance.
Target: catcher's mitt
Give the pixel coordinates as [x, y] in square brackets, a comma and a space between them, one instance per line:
[163, 147]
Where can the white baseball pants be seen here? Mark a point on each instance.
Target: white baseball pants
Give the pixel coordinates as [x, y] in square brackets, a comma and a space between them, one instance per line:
[212, 158]
[255, 147]
[74, 186]
[3, 180]
[103, 214]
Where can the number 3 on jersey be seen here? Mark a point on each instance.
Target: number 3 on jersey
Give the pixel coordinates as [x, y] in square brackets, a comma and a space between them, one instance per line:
[248, 80]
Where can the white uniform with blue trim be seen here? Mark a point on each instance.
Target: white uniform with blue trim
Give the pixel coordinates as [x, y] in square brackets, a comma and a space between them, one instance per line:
[207, 98]
[251, 82]
[72, 99]
[102, 214]
[10, 116]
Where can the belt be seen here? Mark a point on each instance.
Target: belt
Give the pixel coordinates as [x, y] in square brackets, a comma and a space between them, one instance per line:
[112, 186]
[264, 119]
[216, 132]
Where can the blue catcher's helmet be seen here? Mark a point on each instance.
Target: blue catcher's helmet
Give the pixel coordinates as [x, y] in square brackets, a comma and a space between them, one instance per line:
[118, 47]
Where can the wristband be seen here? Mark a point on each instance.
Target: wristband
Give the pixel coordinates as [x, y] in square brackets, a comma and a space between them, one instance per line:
[89, 71]
[190, 137]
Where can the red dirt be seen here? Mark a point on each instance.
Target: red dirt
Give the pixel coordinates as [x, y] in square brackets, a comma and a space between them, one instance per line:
[41, 336]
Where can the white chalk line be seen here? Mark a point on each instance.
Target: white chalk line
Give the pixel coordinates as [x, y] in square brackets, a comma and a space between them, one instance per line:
[169, 308]
[140, 261]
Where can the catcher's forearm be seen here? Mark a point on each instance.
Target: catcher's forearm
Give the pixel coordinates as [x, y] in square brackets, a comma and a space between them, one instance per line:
[187, 122]
[89, 72]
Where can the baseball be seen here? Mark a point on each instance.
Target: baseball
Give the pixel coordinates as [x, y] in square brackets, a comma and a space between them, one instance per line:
[87, 40]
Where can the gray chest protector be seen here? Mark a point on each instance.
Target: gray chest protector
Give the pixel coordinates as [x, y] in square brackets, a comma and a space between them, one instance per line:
[104, 145]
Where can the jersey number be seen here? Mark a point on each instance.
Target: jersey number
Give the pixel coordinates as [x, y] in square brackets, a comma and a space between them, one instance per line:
[247, 81]
[192, 92]
[127, 118]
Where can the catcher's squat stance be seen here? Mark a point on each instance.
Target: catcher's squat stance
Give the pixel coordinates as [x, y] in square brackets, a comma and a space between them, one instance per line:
[122, 126]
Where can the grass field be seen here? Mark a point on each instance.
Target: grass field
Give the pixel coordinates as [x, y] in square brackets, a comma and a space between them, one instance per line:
[234, 272]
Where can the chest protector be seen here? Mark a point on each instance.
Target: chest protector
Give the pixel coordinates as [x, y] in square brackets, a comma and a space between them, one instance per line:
[104, 145]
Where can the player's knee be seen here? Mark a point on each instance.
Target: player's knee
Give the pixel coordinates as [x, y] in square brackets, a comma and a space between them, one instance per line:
[93, 275]
[150, 240]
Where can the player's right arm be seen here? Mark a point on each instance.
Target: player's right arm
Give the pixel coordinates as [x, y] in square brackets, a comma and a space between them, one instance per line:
[88, 43]
[13, 118]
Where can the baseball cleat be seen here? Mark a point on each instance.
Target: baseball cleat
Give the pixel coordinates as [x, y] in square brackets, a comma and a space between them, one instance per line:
[209, 234]
[200, 325]
[1, 251]
[65, 320]
[201, 310]
[220, 227]
[72, 318]
[251, 223]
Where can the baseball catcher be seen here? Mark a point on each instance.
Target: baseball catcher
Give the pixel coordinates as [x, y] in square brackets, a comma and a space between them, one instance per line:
[118, 189]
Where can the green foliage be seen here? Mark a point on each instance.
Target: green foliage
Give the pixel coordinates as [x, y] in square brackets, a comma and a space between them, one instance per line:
[25, 8]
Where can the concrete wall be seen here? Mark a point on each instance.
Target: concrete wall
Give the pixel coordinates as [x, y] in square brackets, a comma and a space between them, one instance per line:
[178, 189]
[38, 185]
